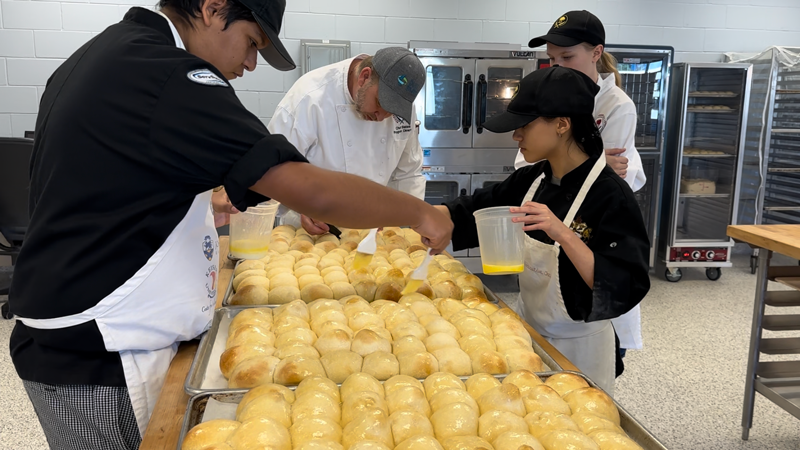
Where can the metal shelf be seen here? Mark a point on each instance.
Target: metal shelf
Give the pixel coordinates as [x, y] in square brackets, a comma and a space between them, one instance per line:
[711, 111]
[705, 195]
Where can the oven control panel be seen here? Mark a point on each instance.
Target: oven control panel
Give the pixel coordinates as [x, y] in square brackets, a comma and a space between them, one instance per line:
[703, 254]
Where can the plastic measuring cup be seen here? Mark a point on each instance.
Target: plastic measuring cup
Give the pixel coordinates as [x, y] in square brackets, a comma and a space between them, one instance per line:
[502, 242]
[250, 230]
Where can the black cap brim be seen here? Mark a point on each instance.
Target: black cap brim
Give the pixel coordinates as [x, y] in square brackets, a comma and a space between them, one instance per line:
[555, 39]
[508, 121]
[275, 53]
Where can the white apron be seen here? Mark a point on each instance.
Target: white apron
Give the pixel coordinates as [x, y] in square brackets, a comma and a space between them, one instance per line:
[170, 299]
[589, 345]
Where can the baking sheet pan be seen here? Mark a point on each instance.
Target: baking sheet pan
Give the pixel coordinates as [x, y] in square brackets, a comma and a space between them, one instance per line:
[222, 405]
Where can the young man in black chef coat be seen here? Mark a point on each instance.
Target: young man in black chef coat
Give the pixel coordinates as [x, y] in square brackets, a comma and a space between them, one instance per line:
[121, 257]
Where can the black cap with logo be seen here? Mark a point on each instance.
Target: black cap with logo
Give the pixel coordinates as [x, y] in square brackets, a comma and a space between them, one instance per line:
[573, 28]
[553, 92]
[269, 14]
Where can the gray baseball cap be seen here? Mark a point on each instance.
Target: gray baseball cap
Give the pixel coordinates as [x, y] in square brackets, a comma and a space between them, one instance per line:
[401, 78]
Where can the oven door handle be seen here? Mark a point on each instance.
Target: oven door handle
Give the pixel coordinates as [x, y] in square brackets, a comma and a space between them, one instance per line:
[466, 113]
[480, 106]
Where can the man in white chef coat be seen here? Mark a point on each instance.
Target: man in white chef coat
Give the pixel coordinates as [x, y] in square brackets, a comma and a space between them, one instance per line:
[357, 116]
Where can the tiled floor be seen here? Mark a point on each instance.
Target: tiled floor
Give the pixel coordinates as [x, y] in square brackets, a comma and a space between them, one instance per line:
[686, 386]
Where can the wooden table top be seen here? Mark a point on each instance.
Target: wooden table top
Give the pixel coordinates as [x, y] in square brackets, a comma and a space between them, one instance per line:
[783, 239]
[165, 425]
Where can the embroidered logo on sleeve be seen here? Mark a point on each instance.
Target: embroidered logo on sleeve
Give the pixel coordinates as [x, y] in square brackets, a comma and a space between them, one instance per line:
[207, 77]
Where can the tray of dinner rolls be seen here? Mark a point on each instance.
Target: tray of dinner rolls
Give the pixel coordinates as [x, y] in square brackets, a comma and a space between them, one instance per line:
[415, 336]
[518, 411]
[300, 266]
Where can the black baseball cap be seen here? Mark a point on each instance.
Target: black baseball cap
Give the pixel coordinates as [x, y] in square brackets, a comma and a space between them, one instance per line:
[552, 92]
[268, 15]
[573, 28]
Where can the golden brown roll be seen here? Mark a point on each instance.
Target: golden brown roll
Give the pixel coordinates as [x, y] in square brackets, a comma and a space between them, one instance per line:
[489, 362]
[358, 275]
[251, 334]
[342, 289]
[296, 308]
[327, 244]
[469, 279]
[306, 270]
[315, 428]
[358, 403]
[524, 380]
[503, 315]
[470, 312]
[279, 246]
[494, 423]
[307, 262]
[466, 443]
[422, 442]
[471, 325]
[505, 397]
[253, 372]
[408, 398]
[367, 319]
[286, 323]
[255, 281]
[283, 279]
[358, 382]
[427, 319]
[271, 405]
[318, 384]
[320, 444]
[387, 291]
[261, 317]
[513, 328]
[380, 331]
[326, 262]
[305, 280]
[368, 427]
[232, 356]
[329, 270]
[400, 381]
[248, 264]
[442, 381]
[340, 364]
[336, 277]
[564, 383]
[440, 277]
[488, 308]
[589, 423]
[384, 308]
[542, 422]
[367, 341]
[509, 342]
[278, 268]
[307, 256]
[523, 359]
[304, 350]
[331, 341]
[315, 291]
[520, 440]
[245, 274]
[403, 263]
[455, 419]
[450, 396]
[354, 304]
[423, 308]
[264, 389]
[476, 343]
[406, 424]
[593, 401]
[439, 341]
[612, 440]
[544, 398]
[251, 295]
[322, 305]
[330, 325]
[313, 404]
[283, 294]
[447, 289]
[560, 439]
[409, 329]
[471, 292]
[328, 316]
[381, 365]
[392, 276]
[399, 317]
[208, 433]
[454, 360]
[301, 245]
[442, 325]
[480, 383]
[298, 336]
[294, 369]
[417, 365]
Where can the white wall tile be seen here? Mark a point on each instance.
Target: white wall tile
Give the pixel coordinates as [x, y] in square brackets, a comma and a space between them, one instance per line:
[297, 5]
[641, 35]
[538, 29]
[704, 16]
[310, 26]
[17, 99]
[264, 78]
[531, 10]
[82, 17]
[661, 14]
[434, 9]
[289, 78]
[511, 32]
[250, 100]
[372, 48]
[264, 120]
[388, 8]
[354, 28]
[16, 43]
[292, 46]
[30, 72]
[32, 15]
[335, 7]
[482, 10]
[268, 102]
[20, 123]
[3, 79]
[563, 6]
[59, 44]
[737, 40]
[731, 2]
[404, 30]
[684, 39]
[39, 93]
[698, 57]
[762, 18]
[457, 30]
[620, 12]
[5, 125]
[612, 34]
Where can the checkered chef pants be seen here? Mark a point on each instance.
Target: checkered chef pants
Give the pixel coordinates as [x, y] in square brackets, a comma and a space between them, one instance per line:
[85, 417]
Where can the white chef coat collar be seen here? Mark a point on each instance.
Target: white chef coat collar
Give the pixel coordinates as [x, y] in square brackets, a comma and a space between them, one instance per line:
[606, 81]
[178, 41]
[345, 75]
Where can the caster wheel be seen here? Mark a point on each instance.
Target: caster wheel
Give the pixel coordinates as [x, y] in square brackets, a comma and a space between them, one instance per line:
[673, 277]
[713, 273]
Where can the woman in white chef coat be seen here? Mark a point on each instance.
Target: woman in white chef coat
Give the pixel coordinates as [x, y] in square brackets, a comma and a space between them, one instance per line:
[576, 40]
[586, 250]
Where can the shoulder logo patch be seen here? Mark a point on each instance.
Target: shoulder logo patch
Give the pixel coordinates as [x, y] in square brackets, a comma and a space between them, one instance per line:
[600, 121]
[207, 77]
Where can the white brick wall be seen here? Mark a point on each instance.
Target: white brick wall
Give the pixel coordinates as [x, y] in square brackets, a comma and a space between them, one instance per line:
[36, 36]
